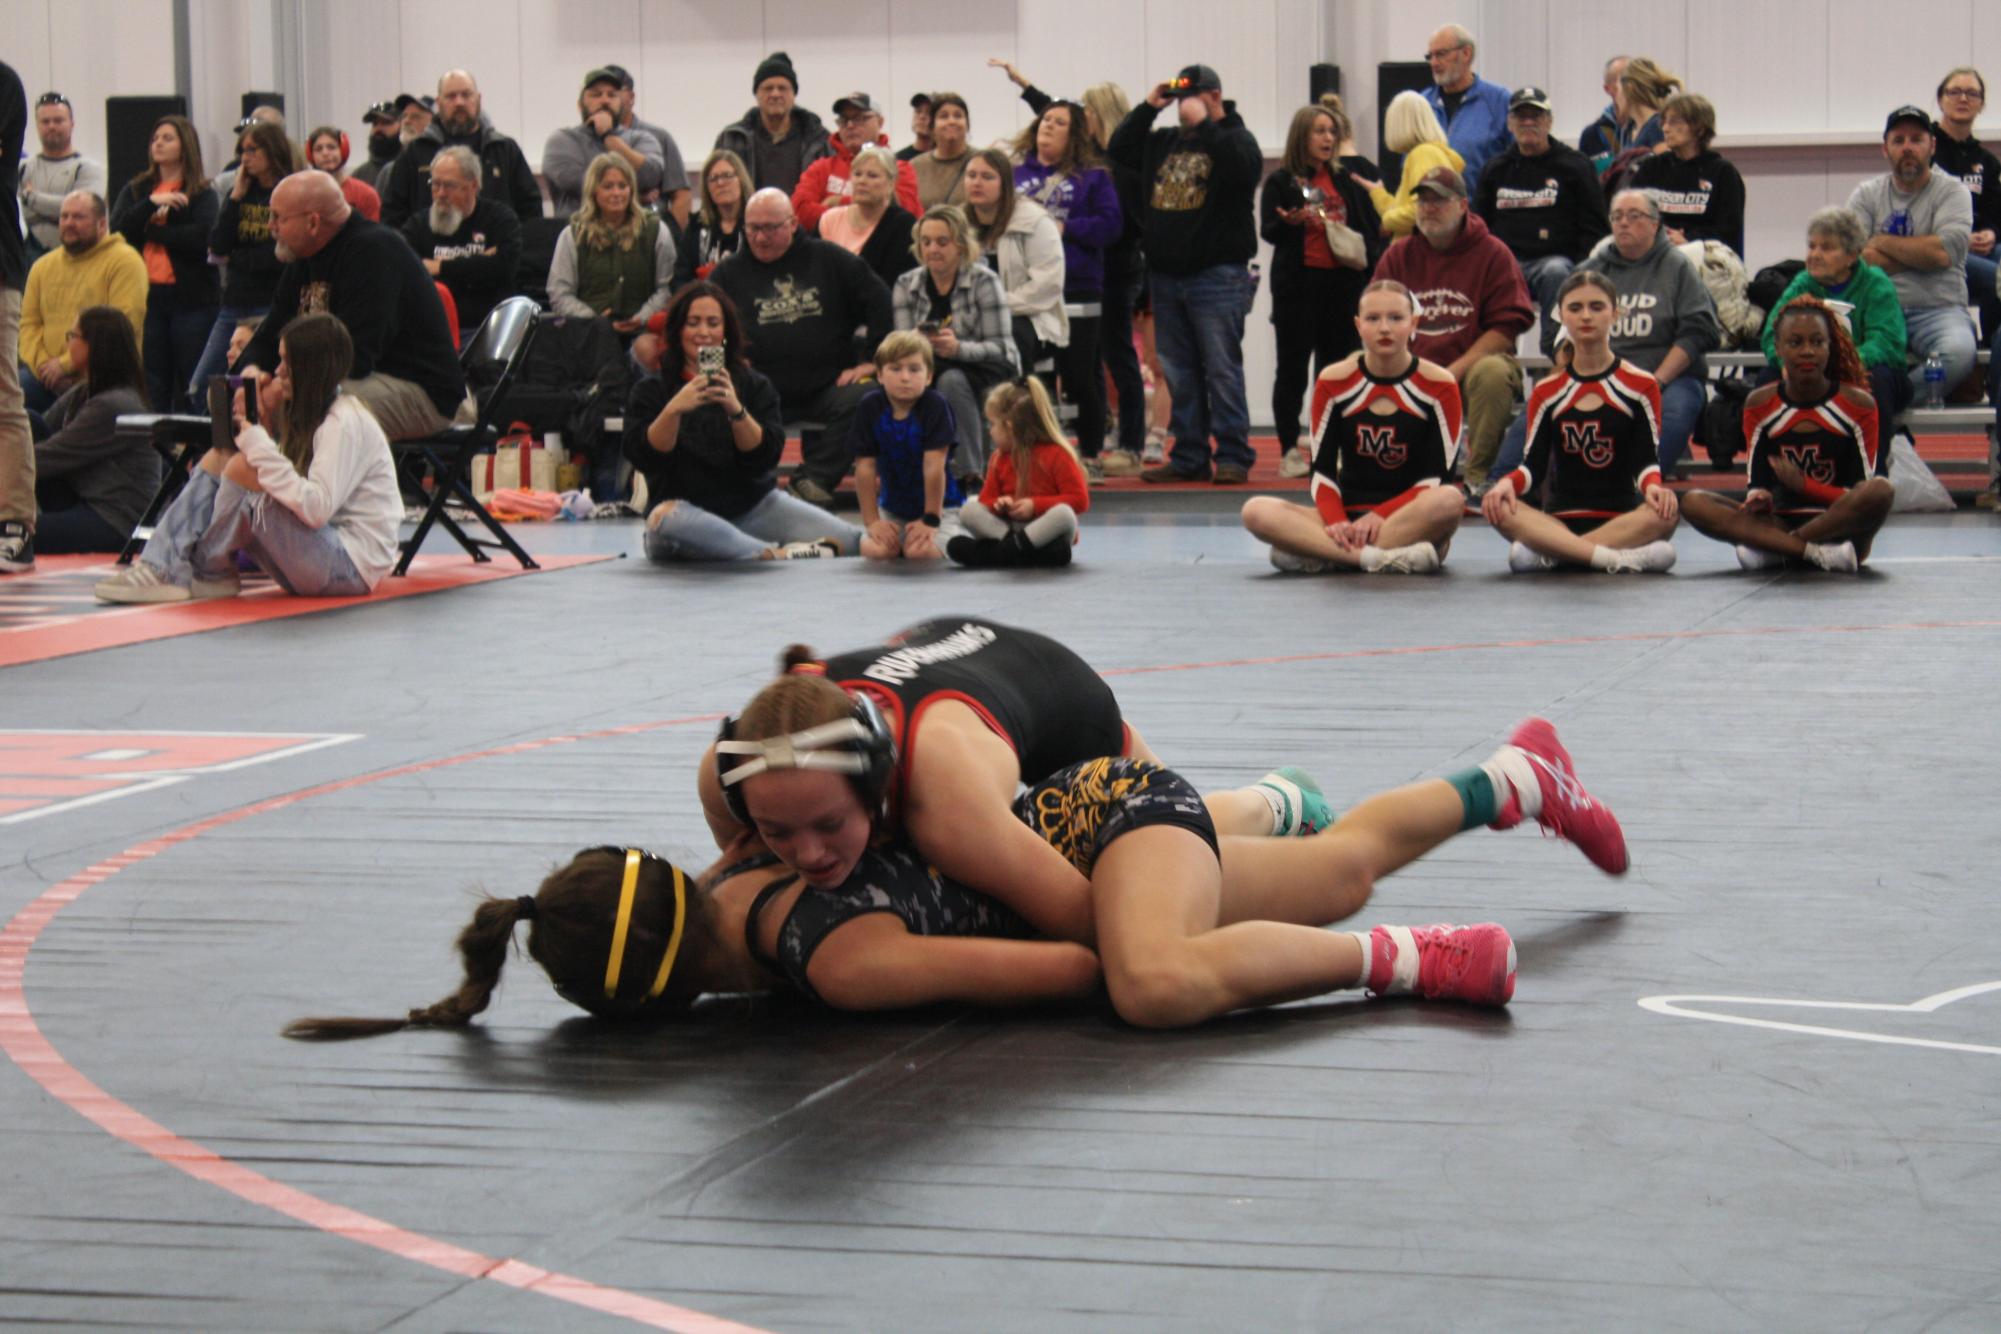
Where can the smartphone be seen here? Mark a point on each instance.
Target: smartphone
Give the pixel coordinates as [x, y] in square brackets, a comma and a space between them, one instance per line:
[221, 408]
[928, 326]
[709, 360]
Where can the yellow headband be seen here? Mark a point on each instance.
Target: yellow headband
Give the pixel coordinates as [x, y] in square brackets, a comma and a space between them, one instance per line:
[627, 891]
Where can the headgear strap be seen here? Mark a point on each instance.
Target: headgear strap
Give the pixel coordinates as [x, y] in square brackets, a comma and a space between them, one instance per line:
[627, 892]
[810, 749]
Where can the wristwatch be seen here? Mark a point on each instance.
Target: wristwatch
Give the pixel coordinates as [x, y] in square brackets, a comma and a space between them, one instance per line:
[739, 414]
[929, 520]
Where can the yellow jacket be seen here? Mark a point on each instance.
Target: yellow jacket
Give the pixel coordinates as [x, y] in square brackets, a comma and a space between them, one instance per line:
[1399, 211]
[60, 286]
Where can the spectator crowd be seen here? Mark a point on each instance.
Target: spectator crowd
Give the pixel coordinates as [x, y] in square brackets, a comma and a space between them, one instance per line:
[1110, 239]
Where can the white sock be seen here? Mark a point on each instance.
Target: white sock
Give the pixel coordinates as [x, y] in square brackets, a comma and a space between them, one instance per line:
[1366, 940]
[1604, 558]
[1278, 794]
[1510, 770]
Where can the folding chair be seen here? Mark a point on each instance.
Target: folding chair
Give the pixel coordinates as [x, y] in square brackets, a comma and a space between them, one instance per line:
[181, 439]
[491, 360]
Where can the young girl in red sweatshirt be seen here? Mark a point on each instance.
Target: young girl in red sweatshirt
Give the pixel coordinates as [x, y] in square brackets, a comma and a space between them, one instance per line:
[1035, 488]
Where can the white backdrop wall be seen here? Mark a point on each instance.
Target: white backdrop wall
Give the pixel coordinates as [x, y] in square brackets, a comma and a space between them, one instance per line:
[1800, 86]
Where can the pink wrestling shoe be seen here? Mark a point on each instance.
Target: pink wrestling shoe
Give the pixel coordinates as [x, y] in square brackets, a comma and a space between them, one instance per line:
[1466, 963]
[1568, 811]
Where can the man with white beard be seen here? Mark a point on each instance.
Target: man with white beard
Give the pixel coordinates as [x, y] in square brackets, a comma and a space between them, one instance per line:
[467, 242]
[406, 371]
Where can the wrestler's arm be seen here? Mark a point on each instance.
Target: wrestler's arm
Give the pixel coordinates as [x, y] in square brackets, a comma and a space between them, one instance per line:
[875, 963]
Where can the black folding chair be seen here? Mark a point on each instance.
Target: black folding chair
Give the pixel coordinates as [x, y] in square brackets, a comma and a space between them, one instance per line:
[492, 359]
[181, 439]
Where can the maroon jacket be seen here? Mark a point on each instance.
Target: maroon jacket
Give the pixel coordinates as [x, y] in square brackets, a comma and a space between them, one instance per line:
[1462, 291]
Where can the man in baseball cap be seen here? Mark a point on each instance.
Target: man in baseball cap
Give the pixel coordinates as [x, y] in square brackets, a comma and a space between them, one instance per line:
[568, 152]
[1543, 200]
[384, 121]
[1475, 305]
[920, 128]
[1197, 181]
[825, 184]
[1920, 223]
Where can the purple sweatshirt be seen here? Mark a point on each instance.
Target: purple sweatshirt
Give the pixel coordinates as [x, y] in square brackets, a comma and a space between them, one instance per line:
[1087, 204]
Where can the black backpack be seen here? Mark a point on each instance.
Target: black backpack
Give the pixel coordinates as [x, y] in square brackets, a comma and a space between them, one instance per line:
[1770, 283]
[575, 376]
[1723, 421]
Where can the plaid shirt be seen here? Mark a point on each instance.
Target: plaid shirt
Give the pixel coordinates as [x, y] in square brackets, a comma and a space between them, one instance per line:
[980, 315]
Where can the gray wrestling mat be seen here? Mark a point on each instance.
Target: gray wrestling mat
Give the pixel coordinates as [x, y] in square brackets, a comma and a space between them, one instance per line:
[1753, 1085]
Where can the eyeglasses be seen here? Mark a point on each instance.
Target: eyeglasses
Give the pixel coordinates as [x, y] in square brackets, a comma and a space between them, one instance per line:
[1444, 51]
[721, 178]
[1973, 93]
[439, 186]
[1631, 215]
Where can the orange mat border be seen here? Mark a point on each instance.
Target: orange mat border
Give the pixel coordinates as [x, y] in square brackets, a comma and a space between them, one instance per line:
[63, 635]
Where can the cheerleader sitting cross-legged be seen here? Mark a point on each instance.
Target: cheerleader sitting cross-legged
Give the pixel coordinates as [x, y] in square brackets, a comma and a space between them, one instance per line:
[1594, 431]
[1813, 495]
[1385, 446]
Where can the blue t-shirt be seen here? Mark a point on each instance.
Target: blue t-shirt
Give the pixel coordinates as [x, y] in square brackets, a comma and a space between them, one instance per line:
[898, 448]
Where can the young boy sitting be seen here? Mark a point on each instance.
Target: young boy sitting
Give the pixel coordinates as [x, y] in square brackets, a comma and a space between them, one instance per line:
[904, 432]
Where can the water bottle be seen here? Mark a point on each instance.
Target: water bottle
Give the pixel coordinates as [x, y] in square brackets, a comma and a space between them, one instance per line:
[1934, 381]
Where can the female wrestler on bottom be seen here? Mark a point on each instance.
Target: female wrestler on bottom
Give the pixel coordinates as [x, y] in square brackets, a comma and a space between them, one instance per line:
[971, 710]
[1593, 432]
[1813, 497]
[1386, 427]
[1183, 935]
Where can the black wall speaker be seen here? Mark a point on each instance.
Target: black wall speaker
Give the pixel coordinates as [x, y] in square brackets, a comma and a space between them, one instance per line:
[128, 128]
[1322, 79]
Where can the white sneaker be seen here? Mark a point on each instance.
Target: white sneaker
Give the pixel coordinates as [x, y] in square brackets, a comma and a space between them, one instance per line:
[1417, 558]
[1653, 558]
[140, 582]
[1156, 448]
[1289, 563]
[818, 549]
[1834, 557]
[1294, 463]
[1753, 559]
[1524, 559]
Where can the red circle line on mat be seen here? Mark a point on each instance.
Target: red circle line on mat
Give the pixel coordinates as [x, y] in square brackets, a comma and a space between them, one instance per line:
[21, 1038]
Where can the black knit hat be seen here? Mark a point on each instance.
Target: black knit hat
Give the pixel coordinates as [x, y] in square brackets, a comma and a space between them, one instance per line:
[777, 65]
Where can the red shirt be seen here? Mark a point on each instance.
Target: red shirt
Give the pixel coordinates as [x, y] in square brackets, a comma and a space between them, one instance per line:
[1054, 478]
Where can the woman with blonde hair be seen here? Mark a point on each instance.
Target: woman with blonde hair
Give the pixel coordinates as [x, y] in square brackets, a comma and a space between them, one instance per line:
[1411, 128]
[1644, 89]
[615, 259]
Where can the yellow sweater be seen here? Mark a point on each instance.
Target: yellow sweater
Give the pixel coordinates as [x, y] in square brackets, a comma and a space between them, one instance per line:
[1399, 211]
[61, 286]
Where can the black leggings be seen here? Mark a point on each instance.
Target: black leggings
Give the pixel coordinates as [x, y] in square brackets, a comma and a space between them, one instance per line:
[1313, 313]
[1115, 344]
[1083, 381]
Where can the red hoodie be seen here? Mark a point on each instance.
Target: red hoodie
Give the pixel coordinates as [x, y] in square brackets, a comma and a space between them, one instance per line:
[1462, 291]
[829, 176]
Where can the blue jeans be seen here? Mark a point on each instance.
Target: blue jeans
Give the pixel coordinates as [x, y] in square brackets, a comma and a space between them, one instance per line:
[1947, 331]
[689, 532]
[1198, 328]
[214, 359]
[211, 520]
[1544, 277]
[1681, 406]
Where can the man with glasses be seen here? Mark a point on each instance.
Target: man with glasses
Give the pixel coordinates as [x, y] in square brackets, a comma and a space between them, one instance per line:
[1919, 222]
[858, 123]
[1962, 96]
[1472, 306]
[1543, 200]
[801, 300]
[470, 244]
[1473, 111]
[54, 172]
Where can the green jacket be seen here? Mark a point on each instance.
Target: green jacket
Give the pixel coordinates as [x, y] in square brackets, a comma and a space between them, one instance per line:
[1876, 324]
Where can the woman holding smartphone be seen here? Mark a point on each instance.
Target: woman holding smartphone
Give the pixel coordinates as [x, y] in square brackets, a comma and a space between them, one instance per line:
[706, 433]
